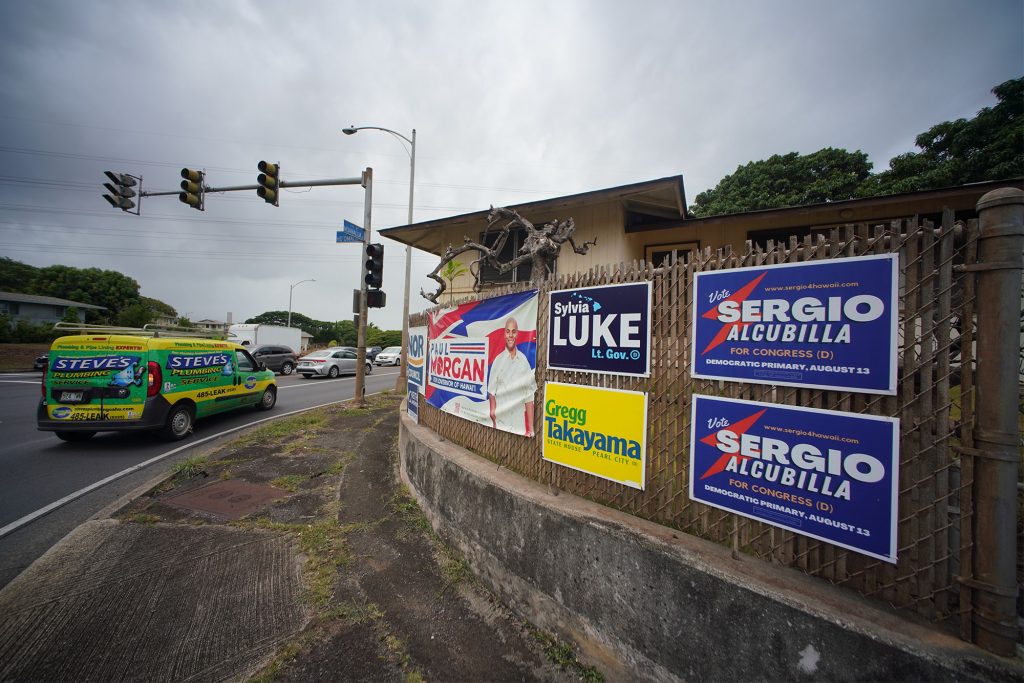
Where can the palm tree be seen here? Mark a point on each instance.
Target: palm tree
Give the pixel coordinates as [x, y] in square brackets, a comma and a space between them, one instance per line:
[452, 270]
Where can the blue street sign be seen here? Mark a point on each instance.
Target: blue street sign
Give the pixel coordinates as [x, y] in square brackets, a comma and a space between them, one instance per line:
[351, 232]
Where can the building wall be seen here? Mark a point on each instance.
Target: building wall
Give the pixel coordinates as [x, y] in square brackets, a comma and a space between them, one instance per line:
[38, 314]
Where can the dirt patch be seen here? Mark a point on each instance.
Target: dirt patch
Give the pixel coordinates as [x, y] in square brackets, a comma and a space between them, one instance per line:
[388, 600]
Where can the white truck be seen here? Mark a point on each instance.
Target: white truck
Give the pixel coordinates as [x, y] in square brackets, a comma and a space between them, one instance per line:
[255, 334]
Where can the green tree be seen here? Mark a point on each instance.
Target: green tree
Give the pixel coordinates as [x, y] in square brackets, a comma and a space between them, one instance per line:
[110, 289]
[158, 307]
[137, 315]
[793, 179]
[15, 276]
[988, 147]
[449, 272]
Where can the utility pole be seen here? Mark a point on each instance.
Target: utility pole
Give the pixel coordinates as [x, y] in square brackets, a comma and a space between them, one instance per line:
[361, 327]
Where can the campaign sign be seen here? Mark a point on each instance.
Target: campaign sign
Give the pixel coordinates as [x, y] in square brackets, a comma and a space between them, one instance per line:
[459, 366]
[603, 329]
[413, 404]
[416, 357]
[820, 324]
[482, 360]
[598, 431]
[820, 473]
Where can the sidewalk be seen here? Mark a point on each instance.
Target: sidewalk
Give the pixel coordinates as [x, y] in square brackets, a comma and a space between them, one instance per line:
[291, 554]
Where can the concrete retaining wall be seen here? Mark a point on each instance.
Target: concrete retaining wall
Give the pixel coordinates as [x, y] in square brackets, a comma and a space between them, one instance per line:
[645, 602]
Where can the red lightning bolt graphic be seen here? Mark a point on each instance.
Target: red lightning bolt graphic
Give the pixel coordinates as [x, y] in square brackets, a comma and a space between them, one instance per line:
[739, 296]
[738, 428]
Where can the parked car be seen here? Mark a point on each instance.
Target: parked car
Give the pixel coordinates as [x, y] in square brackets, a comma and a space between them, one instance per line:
[337, 360]
[277, 358]
[371, 352]
[389, 356]
[41, 362]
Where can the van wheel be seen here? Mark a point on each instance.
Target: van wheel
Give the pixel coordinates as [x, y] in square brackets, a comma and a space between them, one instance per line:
[287, 368]
[333, 372]
[369, 368]
[268, 400]
[179, 423]
[73, 437]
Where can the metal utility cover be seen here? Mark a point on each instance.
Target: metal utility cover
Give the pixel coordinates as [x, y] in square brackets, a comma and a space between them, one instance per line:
[231, 499]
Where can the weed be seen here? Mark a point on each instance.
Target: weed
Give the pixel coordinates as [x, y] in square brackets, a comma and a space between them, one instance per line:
[287, 653]
[562, 654]
[354, 614]
[289, 482]
[189, 468]
[142, 518]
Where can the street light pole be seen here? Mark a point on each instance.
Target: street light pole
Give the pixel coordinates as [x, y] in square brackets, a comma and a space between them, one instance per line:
[290, 298]
[352, 130]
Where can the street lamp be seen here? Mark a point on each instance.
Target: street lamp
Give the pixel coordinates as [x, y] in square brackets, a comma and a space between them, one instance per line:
[290, 298]
[352, 130]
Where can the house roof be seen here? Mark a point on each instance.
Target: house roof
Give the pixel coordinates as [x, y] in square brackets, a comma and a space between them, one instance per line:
[921, 203]
[664, 198]
[45, 300]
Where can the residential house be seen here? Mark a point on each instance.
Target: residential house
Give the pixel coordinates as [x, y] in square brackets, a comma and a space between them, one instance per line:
[648, 221]
[41, 310]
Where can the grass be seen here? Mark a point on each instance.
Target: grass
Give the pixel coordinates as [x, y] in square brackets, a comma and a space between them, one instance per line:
[562, 655]
[279, 429]
[189, 468]
[289, 482]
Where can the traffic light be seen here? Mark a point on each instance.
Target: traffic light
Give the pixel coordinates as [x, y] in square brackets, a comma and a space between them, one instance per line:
[269, 179]
[376, 298]
[119, 190]
[374, 265]
[192, 191]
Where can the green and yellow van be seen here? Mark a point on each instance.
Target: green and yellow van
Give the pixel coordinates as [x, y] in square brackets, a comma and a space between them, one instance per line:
[115, 380]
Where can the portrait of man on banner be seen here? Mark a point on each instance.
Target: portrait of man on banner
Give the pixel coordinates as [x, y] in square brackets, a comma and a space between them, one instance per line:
[482, 362]
[511, 385]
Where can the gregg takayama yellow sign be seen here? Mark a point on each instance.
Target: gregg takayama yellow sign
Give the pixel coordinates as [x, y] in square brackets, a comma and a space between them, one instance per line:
[598, 431]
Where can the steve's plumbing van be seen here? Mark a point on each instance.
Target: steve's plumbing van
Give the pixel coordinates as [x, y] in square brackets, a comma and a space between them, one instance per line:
[127, 379]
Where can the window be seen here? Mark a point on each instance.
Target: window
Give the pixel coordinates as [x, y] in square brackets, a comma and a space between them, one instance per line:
[660, 255]
[244, 362]
[489, 275]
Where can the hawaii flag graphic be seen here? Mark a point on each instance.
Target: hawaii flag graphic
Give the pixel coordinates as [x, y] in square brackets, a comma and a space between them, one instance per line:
[482, 360]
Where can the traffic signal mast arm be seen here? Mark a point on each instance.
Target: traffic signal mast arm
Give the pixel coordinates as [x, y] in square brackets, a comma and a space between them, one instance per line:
[284, 184]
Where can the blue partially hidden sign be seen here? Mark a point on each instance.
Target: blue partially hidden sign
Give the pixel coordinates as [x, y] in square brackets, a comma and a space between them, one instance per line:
[604, 329]
[821, 324]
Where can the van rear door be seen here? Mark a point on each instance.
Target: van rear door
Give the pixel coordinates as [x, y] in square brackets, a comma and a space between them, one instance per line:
[96, 378]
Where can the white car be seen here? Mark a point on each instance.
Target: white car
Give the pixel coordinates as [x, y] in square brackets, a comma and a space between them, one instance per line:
[329, 363]
[392, 355]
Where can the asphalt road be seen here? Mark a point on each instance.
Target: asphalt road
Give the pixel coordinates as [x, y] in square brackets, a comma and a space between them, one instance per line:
[45, 487]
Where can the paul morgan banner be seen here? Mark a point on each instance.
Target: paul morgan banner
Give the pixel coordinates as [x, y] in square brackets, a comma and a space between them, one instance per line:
[598, 431]
[416, 357]
[601, 329]
[821, 473]
[482, 360]
[821, 324]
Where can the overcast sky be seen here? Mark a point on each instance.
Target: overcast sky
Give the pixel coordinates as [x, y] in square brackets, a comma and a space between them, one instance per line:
[511, 102]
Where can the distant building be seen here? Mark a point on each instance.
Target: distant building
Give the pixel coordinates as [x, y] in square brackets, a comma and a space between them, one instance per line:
[211, 325]
[41, 310]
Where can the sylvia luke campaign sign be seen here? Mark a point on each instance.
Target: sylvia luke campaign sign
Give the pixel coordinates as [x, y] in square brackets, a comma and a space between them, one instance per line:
[603, 329]
[821, 473]
[820, 324]
[481, 361]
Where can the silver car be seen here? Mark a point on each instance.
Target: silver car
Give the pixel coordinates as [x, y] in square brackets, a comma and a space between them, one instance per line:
[330, 362]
